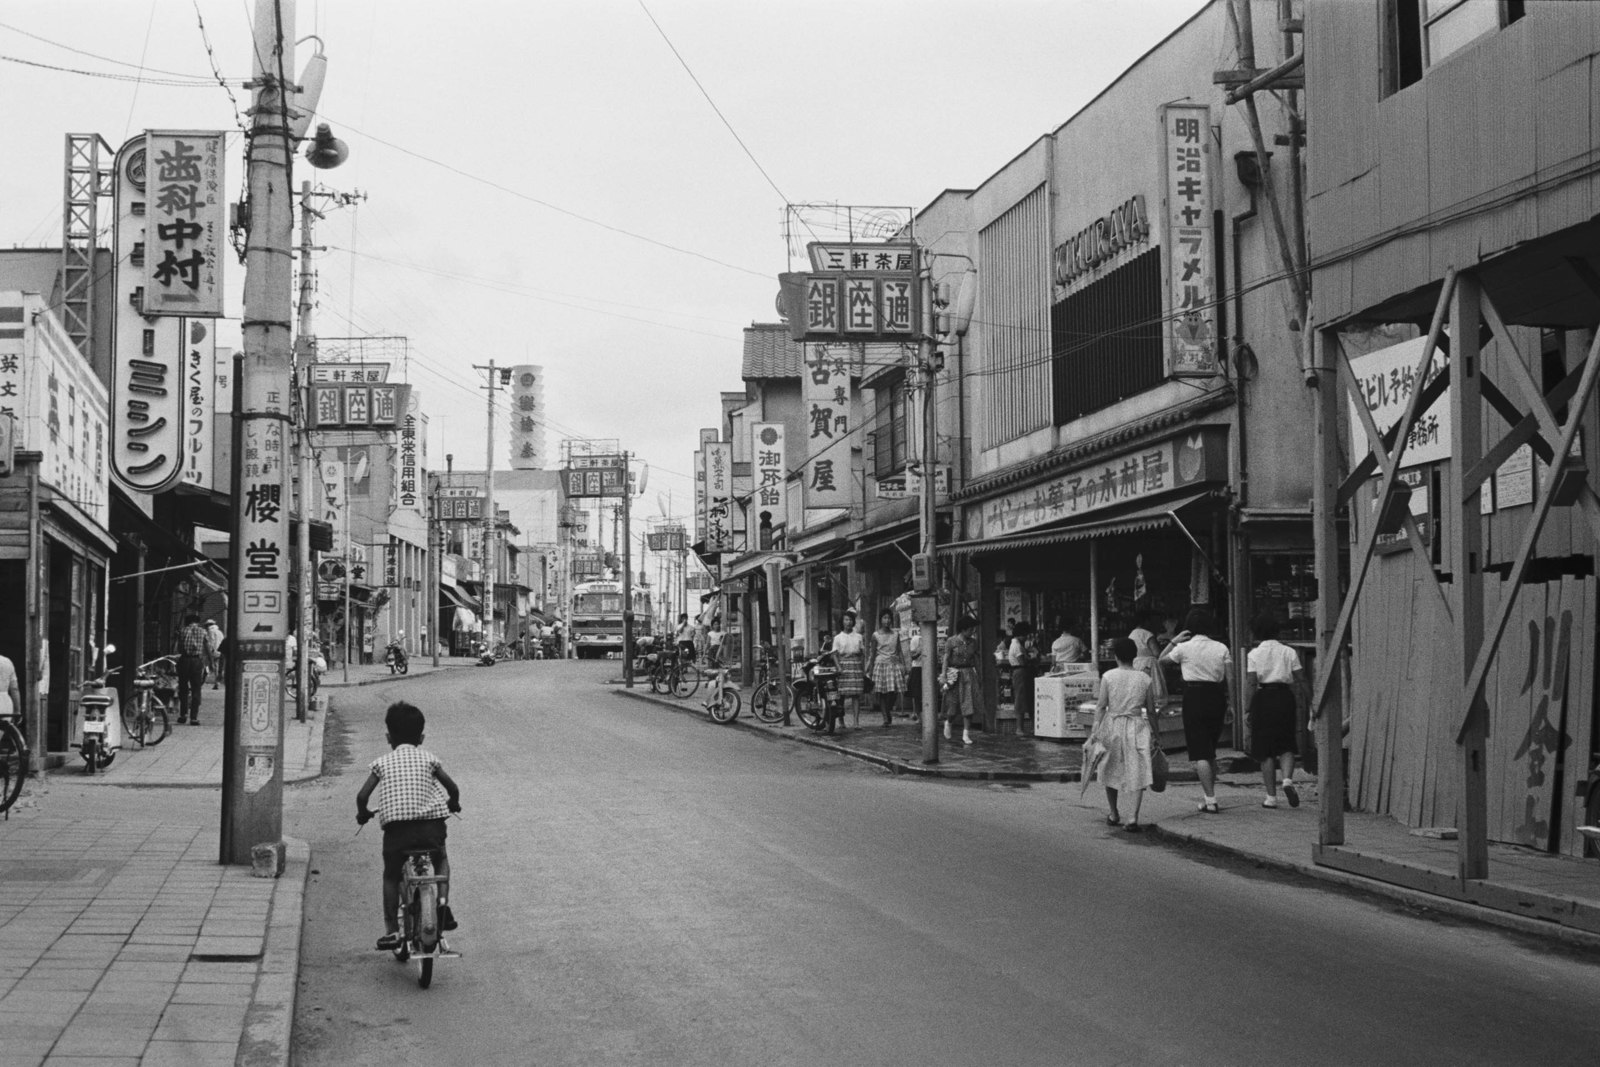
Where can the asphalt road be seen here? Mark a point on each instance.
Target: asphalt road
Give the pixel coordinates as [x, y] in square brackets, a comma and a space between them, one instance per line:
[639, 886]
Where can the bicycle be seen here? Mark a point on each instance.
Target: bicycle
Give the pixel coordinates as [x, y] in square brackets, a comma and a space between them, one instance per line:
[772, 695]
[723, 702]
[145, 716]
[13, 762]
[419, 916]
[816, 697]
[671, 676]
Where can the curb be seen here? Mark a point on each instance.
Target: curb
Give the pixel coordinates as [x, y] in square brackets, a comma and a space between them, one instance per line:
[890, 763]
[391, 678]
[269, 1022]
[1414, 898]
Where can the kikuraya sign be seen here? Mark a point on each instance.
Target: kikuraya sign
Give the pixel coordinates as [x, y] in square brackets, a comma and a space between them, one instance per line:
[1123, 227]
[1191, 334]
[185, 213]
[199, 398]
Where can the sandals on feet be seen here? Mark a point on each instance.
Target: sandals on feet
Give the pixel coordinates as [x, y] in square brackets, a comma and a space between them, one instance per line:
[1113, 820]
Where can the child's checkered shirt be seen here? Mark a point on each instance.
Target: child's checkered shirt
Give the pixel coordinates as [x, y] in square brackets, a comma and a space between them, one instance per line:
[410, 790]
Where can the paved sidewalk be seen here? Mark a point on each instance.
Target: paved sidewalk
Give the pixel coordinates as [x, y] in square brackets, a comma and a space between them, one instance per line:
[122, 939]
[1530, 891]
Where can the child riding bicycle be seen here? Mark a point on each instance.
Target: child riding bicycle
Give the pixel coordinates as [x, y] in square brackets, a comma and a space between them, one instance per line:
[417, 797]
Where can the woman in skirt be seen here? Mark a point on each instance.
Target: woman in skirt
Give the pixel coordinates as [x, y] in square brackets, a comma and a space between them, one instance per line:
[1273, 678]
[849, 655]
[960, 679]
[1205, 663]
[887, 668]
[1124, 722]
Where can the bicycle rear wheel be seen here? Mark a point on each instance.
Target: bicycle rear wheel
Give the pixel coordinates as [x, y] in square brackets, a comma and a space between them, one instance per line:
[770, 700]
[808, 708]
[686, 681]
[13, 764]
[157, 724]
[135, 723]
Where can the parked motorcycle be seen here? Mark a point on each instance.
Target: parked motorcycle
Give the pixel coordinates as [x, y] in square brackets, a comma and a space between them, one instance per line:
[816, 692]
[100, 720]
[485, 656]
[395, 657]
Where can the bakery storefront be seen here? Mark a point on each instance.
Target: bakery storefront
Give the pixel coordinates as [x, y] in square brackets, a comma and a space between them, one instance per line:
[1138, 534]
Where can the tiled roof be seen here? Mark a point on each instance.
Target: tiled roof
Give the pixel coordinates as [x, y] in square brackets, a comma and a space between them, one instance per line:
[770, 353]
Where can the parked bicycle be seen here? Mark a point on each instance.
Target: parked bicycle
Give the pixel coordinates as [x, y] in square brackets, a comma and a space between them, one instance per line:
[773, 694]
[816, 693]
[13, 760]
[144, 718]
[670, 675]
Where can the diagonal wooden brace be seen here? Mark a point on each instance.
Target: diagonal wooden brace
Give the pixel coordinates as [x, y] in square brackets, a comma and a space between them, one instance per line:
[1327, 660]
[1472, 692]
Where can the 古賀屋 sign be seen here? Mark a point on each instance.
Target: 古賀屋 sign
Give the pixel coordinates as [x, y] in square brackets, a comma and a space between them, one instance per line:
[186, 219]
[826, 391]
[1192, 458]
[1191, 333]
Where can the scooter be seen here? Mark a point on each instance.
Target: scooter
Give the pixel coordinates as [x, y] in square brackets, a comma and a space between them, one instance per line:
[485, 657]
[395, 657]
[100, 725]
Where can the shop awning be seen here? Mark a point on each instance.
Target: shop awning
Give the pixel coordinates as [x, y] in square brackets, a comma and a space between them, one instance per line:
[458, 599]
[754, 562]
[1149, 517]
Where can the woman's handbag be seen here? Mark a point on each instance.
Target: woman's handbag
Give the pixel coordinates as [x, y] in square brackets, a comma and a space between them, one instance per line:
[1159, 770]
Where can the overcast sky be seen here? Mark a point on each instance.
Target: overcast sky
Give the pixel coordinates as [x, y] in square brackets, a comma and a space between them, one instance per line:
[545, 180]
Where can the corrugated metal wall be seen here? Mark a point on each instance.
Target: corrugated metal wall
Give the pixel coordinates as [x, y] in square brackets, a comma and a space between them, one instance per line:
[1014, 306]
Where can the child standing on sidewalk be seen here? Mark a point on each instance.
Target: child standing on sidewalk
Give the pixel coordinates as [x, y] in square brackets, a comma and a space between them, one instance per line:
[417, 797]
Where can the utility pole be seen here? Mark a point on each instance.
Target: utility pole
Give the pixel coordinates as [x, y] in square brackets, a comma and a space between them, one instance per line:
[489, 515]
[627, 577]
[930, 459]
[252, 769]
[435, 569]
[305, 350]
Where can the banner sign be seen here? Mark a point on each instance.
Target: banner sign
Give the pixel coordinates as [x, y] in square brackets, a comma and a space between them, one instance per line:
[54, 404]
[699, 469]
[458, 502]
[338, 373]
[827, 390]
[527, 418]
[199, 398]
[854, 306]
[410, 491]
[1387, 378]
[391, 565]
[588, 478]
[147, 395]
[264, 527]
[719, 496]
[356, 407]
[770, 470]
[1149, 472]
[1191, 334]
[186, 224]
[883, 257]
[909, 483]
[585, 563]
[666, 541]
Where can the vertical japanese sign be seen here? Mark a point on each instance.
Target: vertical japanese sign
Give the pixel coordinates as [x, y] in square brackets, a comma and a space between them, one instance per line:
[527, 417]
[769, 464]
[264, 531]
[826, 392]
[185, 224]
[1191, 334]
[199, 404]
[147, 393]
[699, 469]
[410, 492]
[719, 496]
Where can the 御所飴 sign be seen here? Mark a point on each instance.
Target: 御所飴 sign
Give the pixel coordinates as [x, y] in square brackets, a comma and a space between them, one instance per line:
[185, 223]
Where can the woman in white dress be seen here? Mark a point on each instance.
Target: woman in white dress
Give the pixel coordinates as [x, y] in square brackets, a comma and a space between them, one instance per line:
[1125, 724]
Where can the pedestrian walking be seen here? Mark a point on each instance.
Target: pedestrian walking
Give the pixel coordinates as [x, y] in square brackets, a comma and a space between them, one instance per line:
[1204, 662]
[960, 679]
[1147, 653]
[886, 666]
[1273, 683]
[191, 669]
[1125, 724]
[849, 656]
[214, 662]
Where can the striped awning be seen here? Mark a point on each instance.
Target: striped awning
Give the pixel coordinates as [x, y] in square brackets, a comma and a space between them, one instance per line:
[1150, 517]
